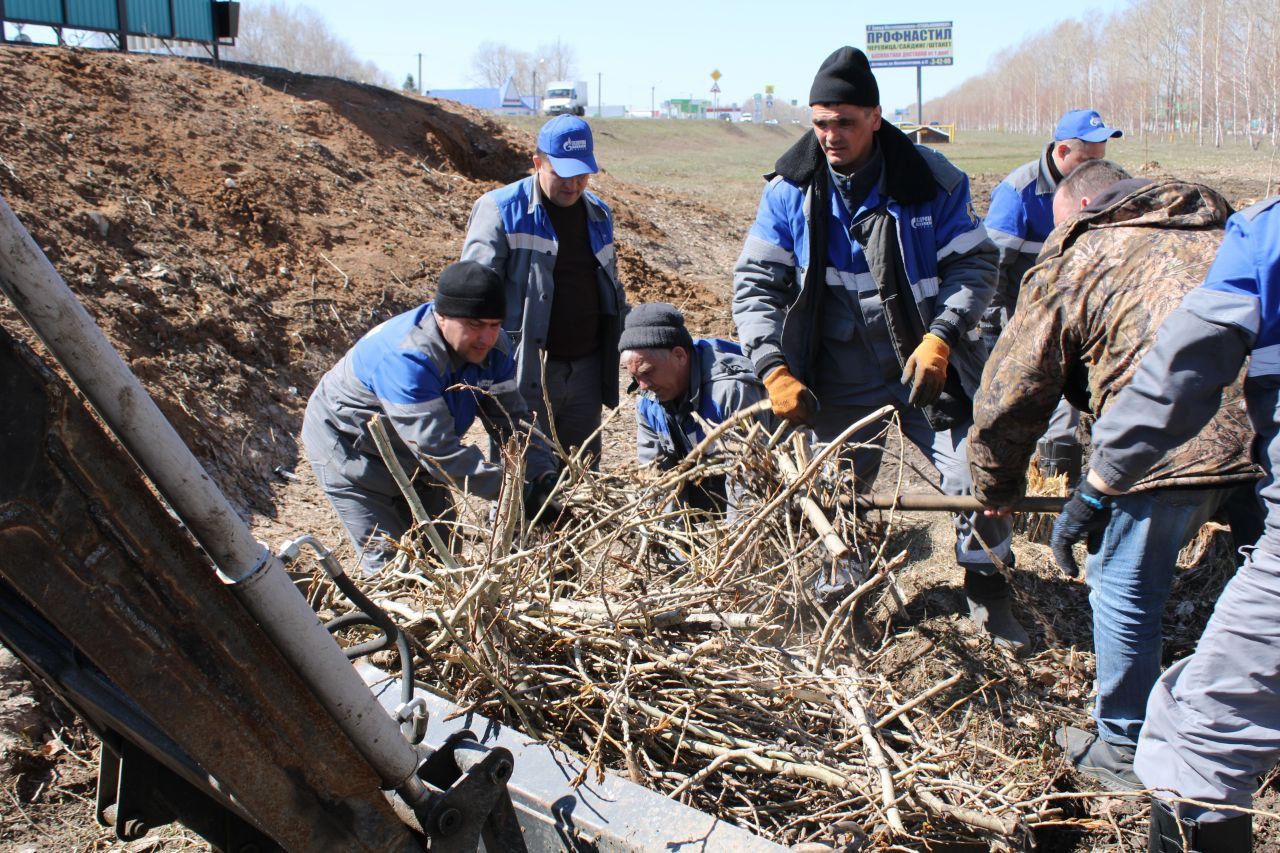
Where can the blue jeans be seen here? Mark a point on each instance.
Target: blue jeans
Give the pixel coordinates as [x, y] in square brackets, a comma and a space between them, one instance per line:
[1129, 581]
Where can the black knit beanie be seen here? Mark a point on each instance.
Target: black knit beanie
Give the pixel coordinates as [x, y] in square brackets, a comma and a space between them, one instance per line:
[845, 78]
[656, 325]
[471, 291]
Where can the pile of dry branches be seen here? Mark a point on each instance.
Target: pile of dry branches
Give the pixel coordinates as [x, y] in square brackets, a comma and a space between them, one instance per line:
[691, 654]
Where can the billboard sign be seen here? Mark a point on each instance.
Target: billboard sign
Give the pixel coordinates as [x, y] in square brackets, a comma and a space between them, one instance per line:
[904, 45]
[209, 21]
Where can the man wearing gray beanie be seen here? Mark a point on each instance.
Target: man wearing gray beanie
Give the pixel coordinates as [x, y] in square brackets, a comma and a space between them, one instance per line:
[427, 373]
[860, 285]
[677, 377]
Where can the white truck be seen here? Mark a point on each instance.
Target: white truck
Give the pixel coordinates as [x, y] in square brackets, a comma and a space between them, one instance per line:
[565, 96]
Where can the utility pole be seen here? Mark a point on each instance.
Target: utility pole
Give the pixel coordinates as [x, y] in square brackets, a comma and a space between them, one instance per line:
[420, 89]
[599, 95]
[652, 110]
[537, 94]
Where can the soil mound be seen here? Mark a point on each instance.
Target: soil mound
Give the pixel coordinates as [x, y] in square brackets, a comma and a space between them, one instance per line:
[234, 229]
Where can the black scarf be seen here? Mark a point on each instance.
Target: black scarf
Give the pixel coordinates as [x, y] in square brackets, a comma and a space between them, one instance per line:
[908, 179]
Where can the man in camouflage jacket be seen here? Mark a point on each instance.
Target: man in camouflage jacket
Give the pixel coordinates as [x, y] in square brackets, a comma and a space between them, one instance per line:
[1122, 256]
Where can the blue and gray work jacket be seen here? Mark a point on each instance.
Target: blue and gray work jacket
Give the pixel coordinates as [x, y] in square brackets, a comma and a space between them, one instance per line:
[1199, 350]
[1018, 221]
[511, 233]
[721, 381]
[931, 252]
[404, 371]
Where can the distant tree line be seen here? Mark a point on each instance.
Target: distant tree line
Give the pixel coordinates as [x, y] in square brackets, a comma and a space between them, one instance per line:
[1202, 70]
[493, 63]
[297, 38]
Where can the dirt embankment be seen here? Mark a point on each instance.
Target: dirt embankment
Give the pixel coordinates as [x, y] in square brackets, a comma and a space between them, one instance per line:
[234, 230]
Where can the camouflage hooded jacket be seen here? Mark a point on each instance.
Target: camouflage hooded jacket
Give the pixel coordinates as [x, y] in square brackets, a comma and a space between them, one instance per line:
[1089, 311]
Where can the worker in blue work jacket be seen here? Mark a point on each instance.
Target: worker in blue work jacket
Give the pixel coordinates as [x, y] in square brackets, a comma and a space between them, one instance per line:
[551, 241]
[1019, 219]
[428, 373]
[1213, 719]
[861, 284]
[684, 384]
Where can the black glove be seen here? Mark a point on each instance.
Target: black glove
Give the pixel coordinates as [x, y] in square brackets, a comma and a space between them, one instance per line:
[537, 498]
[1084, 517]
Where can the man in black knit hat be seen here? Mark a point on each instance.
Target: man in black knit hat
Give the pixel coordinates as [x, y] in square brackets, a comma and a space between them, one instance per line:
[679, 377]
[428, 373]
[860, 285]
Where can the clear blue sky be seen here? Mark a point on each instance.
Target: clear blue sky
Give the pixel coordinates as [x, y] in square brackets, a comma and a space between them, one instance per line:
[674, 46]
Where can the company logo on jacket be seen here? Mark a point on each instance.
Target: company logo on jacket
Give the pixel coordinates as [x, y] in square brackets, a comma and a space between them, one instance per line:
[922, 222]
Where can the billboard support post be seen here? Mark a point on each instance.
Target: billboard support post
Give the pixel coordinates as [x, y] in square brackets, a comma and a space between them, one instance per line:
[122, 19]
[919, 97]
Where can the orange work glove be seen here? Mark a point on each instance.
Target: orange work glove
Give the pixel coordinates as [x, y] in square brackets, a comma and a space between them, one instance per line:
[926, 370]
[790, 397]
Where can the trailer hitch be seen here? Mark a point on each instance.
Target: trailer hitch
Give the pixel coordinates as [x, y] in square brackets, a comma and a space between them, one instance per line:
[469, 799]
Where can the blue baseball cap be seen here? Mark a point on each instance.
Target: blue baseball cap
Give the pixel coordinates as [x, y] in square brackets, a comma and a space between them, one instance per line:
[566, 140]
[1086, 125]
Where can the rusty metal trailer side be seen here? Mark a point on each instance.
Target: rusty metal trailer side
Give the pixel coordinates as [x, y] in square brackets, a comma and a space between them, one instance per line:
[86, 544]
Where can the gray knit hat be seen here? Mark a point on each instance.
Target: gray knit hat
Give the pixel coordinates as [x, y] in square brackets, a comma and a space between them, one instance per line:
[655, 325]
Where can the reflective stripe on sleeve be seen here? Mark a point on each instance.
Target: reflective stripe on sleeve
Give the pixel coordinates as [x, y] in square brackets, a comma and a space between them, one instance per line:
[762, 250]
[1005, 240]
[962, 243]
[531, 242]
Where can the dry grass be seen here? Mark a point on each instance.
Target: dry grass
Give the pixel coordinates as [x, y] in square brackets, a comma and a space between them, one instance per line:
[721, 163]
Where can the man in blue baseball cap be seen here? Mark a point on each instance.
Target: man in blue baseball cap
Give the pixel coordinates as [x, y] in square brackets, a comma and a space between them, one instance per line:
[1018, 221]
[551, 241]
[1021, 213]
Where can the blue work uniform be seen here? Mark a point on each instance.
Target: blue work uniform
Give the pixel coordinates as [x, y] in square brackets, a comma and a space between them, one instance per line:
[1018, 221]
[721, 382]
[510, 232]
[913, 234]
[404, 371]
